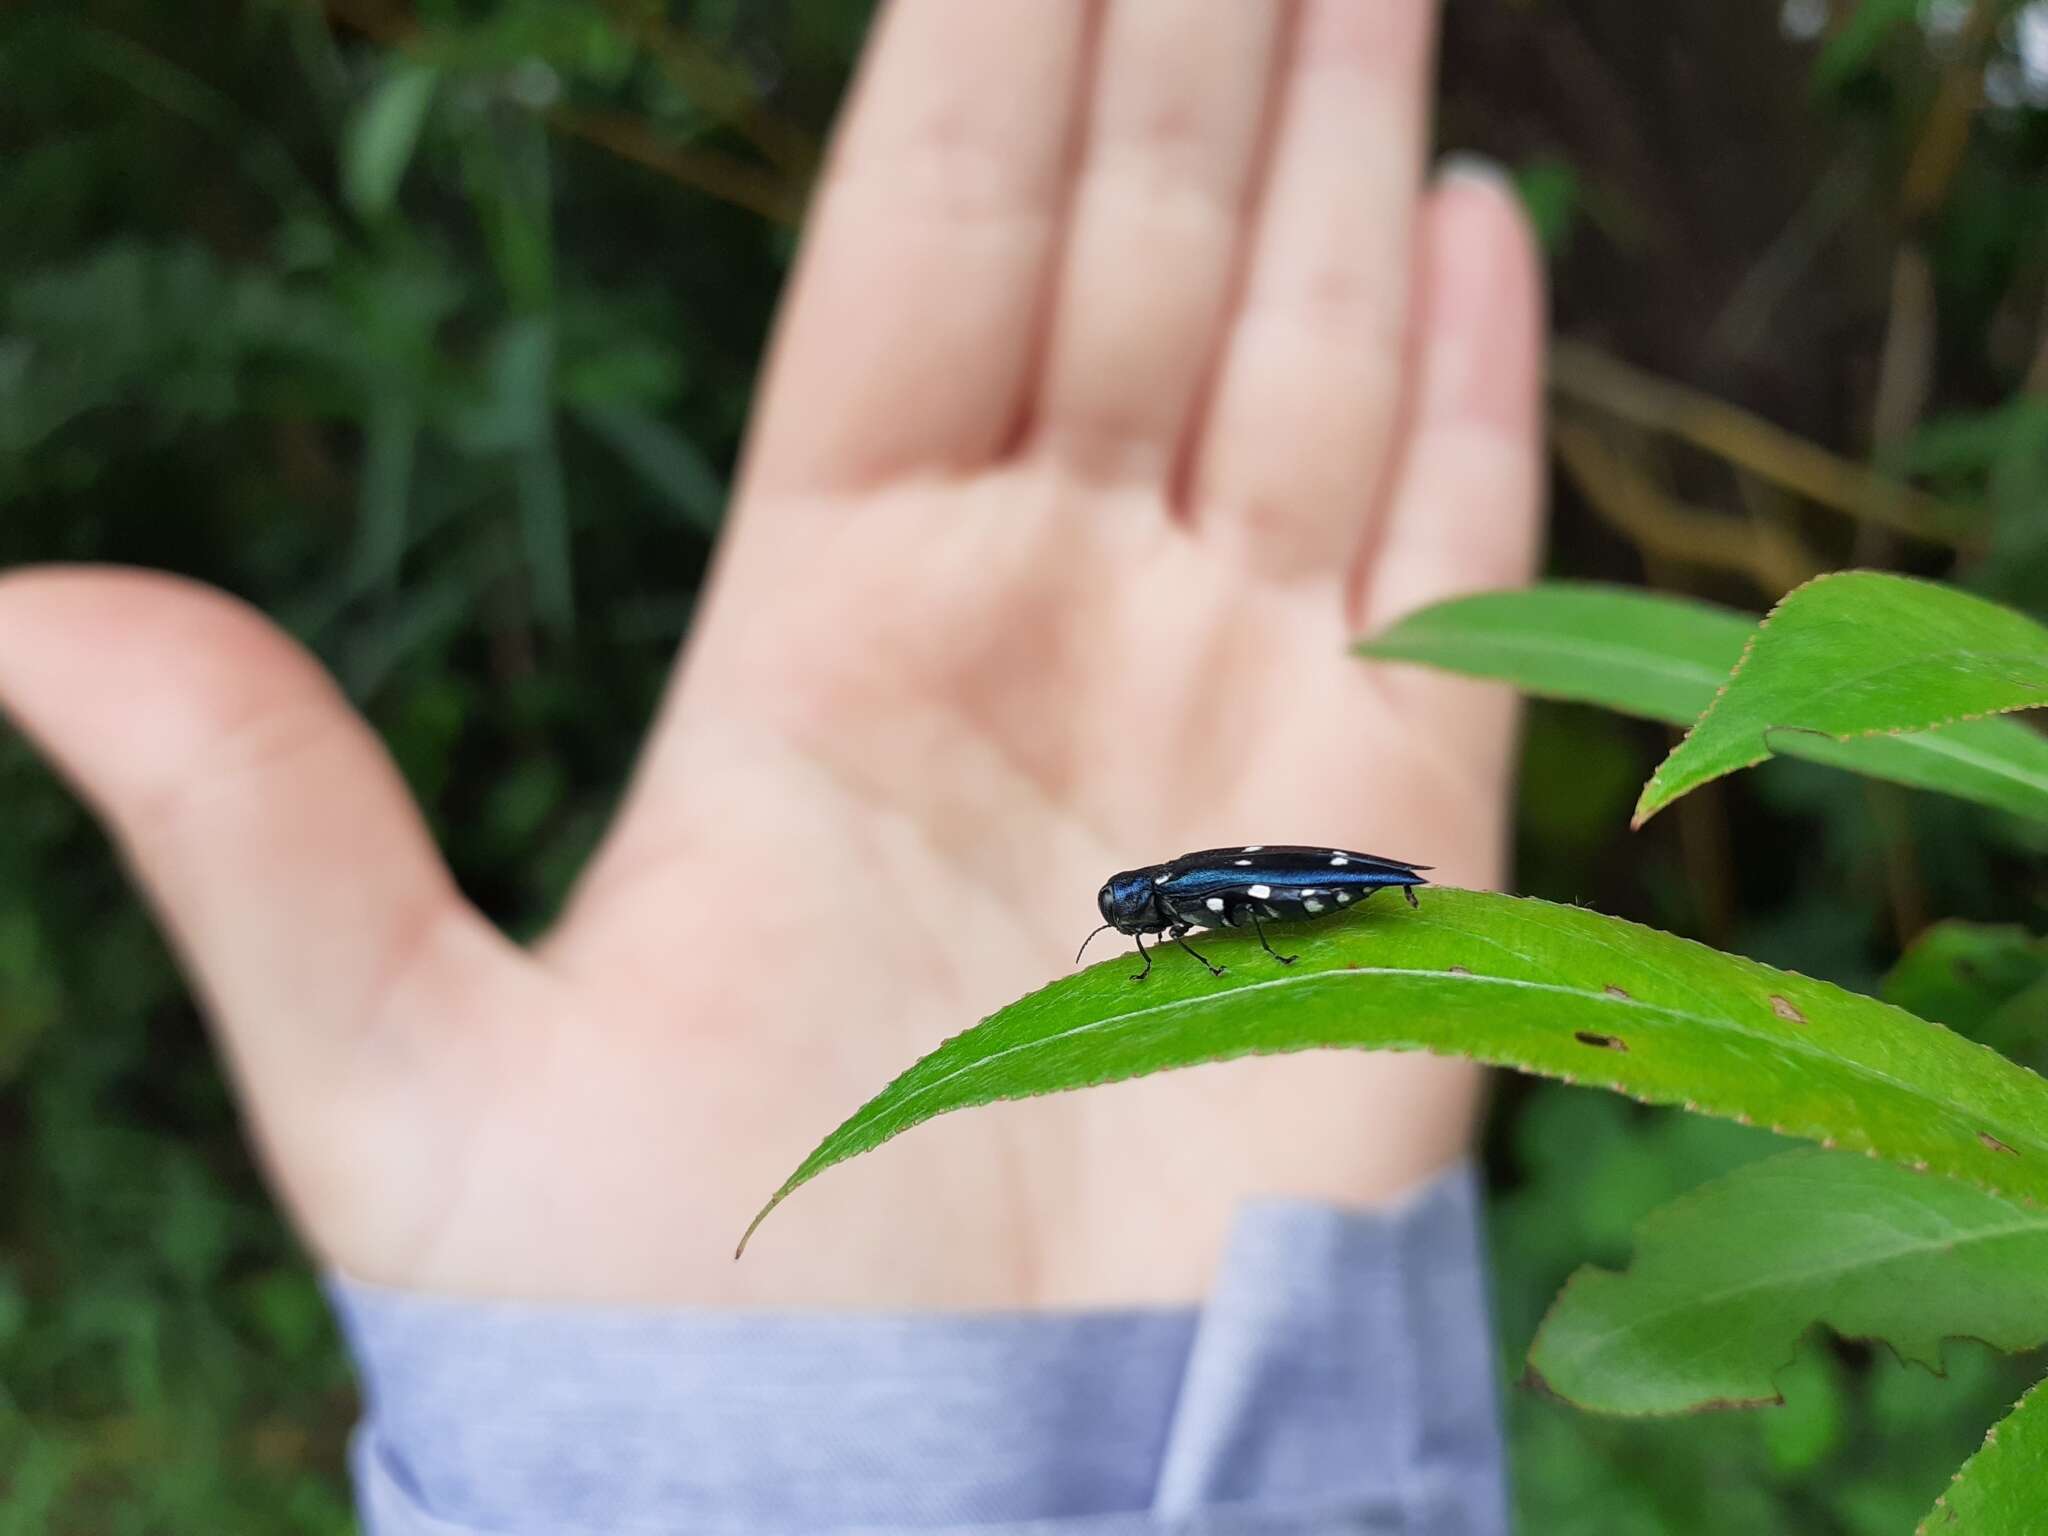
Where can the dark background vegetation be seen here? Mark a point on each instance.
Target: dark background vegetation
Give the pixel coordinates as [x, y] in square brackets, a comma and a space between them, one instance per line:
[429, 326]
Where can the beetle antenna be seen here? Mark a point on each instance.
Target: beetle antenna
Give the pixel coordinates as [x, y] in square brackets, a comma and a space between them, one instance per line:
[1087, 941]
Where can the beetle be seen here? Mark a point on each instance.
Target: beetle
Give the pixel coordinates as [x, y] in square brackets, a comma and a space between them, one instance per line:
[1223, 887]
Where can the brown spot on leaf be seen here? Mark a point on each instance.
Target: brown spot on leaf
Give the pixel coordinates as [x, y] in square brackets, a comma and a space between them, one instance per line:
[1783, 1008]
[1600, 1042]
[1828, 1143]
[1995, 1144]
[1613, 991]
[1459, 970]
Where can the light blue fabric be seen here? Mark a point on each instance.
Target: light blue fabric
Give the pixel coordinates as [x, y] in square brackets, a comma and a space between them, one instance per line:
[1339, 1378]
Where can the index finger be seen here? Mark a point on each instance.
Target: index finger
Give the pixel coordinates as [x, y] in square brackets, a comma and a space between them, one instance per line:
[908, 335]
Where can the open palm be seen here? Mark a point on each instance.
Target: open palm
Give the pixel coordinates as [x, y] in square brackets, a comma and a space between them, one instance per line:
[1126, 375]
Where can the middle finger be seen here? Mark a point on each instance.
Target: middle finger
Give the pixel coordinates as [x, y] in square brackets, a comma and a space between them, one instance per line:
[1157, 218]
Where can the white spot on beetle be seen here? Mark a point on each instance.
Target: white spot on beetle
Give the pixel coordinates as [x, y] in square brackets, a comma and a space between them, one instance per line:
[1259, 892]
[1244, 863]
[1214, 903]
[1343, 898]
[1255, 848]
[1311, 903]
[1162, 877]
[1338, 860]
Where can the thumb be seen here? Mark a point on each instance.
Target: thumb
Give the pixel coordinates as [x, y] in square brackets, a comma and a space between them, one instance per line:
[264, 822]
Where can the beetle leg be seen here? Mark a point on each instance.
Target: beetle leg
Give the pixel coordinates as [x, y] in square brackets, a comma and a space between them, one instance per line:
[1139, 940]
[1176, 934]
[1409, 892]
[1260, 929]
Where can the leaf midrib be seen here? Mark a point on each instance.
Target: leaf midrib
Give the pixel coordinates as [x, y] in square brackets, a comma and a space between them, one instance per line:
[1648, 662]
[1925, 739]
[1721, 1024]
[1811, 697]
[2036, 1226]
[1929, 739]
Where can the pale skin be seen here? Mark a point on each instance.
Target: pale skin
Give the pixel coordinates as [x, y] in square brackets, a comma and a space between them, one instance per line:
[1130, 368]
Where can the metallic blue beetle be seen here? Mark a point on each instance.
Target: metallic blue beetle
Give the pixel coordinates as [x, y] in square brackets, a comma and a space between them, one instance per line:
[1225, 887]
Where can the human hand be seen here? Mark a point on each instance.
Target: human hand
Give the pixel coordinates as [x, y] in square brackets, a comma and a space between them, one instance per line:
[1126, 375]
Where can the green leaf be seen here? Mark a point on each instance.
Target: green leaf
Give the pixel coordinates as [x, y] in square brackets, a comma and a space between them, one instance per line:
[2000, 1490]
[1811, 1422]
[1727, 1279]
[390, 447]
[1999, 763]
[1856, 41]
[1971, 442]
[286, 1308]
[1643, 653]
[1548, 989]
[1664, 658]
[1860, 653]
[518, 418]
[380, 139]
[667, 462]
[1551, 194]
[1987, 982]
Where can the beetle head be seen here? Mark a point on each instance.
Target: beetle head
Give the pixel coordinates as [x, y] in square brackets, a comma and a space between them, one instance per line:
[1126, 902]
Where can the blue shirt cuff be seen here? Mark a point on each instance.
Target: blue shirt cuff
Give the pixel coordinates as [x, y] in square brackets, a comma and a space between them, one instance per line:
[1339, 1377]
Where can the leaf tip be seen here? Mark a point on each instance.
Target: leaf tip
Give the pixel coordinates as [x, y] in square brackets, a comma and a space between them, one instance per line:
[1648, 804]
[1533, 1380]
[754, 1226]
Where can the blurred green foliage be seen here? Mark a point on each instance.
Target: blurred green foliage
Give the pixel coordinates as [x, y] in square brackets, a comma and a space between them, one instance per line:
[430, 326]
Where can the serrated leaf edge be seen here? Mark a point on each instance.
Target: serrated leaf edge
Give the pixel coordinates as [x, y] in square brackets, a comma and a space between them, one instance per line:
[1640, 816]
[1925, 1527]
[1700, 1192]
[1827, 1140]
